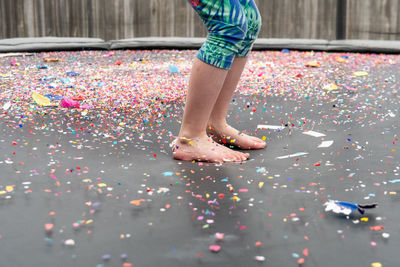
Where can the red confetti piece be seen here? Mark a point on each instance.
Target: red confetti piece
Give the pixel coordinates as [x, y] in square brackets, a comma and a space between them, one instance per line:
[258, 244]
[305, 252]
[377, 228]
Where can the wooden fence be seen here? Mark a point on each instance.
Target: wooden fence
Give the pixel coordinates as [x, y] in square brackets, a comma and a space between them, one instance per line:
[120, 19]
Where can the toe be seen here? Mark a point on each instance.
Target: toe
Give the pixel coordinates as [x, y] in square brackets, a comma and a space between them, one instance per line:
[239, 157]
[242, 156]
[258, 143]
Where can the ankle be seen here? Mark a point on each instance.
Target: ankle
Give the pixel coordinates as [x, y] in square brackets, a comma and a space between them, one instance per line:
[186, 138]
[216, 125]
[191, 131]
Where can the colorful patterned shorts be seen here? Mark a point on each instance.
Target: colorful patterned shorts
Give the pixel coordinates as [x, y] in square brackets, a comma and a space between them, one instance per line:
[233, 26]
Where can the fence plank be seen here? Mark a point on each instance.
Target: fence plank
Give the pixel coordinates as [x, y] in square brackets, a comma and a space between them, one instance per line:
[374, 19]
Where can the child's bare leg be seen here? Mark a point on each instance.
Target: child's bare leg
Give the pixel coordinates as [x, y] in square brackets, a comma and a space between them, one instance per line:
[217, 125]
[193, 143]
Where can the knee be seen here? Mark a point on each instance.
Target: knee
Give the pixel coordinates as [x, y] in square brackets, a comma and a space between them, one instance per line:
[223, 43]
[230, 35]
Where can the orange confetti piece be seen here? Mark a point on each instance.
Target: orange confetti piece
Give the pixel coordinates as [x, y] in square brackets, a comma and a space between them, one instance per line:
[137, 202]
[340, 60]
[313, 64]
[49, 59]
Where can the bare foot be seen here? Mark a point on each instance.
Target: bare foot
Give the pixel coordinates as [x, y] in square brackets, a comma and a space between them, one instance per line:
[205, 149]
[229, 136]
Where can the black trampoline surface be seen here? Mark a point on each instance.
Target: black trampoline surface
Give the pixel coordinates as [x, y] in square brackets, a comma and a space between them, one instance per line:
[97, 186]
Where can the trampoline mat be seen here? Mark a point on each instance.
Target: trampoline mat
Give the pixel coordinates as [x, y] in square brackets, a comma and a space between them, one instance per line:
[98, 186]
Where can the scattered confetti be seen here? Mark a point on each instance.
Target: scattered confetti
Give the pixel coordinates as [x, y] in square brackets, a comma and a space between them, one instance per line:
[88, 133]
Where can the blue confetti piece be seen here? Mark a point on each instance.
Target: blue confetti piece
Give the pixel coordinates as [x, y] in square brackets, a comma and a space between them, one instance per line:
[262, 169]
[71, 73]
[168, 173]
[53, 97]
[48, 78]
[173, 69]
[350, 205]
[394, 181]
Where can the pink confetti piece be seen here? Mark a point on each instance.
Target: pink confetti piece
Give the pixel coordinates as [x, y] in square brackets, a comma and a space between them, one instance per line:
[215, 248]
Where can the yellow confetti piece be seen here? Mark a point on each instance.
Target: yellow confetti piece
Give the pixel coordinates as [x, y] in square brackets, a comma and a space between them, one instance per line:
[264, 138]
[41, 100]
[260, 184]
[360, 73]
[86, 180]
[364, 219]
[236, 199]
[9, 188]
[330, 87]
[134, 65]
[207, 195]
[392, 193]
[101, 185]
[191, 143]
[376, 264]
[89, 221]
[2, 192]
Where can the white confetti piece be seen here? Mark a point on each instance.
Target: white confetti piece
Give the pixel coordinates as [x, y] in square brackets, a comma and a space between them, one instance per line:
[293, 155]
[314, 134]
[270, 127]
[385, 235]
[6, 105]
[325, 144]
[69, 242]
[259, 258]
